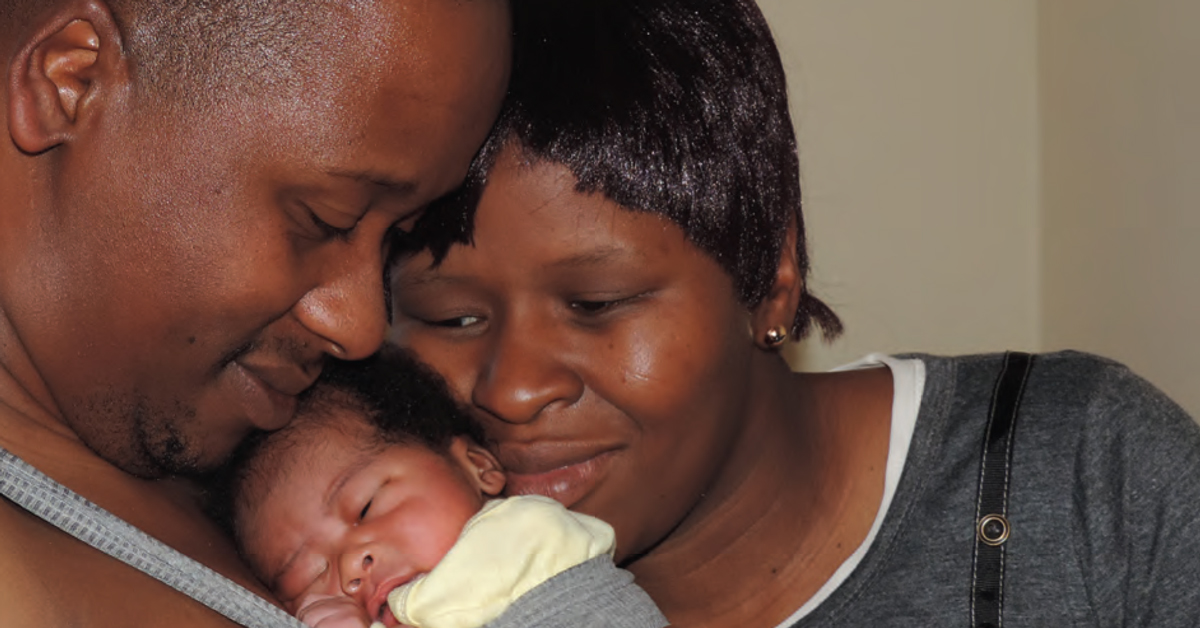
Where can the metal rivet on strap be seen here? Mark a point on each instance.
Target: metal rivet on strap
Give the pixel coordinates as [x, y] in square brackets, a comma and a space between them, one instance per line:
[993, 530]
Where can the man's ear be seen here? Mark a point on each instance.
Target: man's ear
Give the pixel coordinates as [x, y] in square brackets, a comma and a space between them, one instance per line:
[59, 70]
[481, 466]
[778, 308]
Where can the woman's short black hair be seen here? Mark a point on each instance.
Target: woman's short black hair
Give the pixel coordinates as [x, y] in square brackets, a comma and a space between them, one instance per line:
[672, 107]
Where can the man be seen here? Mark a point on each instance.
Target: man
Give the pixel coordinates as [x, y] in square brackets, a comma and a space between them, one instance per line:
[195, 208]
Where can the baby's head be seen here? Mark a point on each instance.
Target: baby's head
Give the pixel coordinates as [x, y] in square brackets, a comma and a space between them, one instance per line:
[368, 487]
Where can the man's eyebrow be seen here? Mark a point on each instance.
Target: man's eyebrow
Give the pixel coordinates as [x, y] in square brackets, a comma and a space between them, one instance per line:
[395, 185]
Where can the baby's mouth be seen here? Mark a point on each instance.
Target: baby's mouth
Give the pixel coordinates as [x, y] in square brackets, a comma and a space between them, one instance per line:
[386, 617]
[384, 613]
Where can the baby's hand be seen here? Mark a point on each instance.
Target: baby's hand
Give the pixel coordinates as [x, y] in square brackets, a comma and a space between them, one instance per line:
[333, 612]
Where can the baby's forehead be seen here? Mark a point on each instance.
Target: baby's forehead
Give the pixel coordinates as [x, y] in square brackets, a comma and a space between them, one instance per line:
[336, 432]
[308, 447]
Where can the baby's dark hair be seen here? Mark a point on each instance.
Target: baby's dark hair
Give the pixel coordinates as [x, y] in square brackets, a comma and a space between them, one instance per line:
[391, 399]
[402, 399]
[672, 107]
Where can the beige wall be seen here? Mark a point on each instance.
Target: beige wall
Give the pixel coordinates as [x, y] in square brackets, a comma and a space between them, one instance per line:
[1003, 174]
[1120, 106]
[917, 124]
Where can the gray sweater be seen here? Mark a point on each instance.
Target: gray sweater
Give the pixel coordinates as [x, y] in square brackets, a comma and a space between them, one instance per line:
[595, 594]
[1105, 505]
[1105, 513]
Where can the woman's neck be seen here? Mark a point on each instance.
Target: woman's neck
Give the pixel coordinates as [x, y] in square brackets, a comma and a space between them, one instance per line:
[798, 496]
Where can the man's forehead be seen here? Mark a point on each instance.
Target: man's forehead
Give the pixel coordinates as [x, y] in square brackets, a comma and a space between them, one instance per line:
[396, 117]
[439, 73]
[221, 50]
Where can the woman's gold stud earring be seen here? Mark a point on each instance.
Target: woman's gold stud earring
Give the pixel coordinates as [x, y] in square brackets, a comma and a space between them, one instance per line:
[776, 336]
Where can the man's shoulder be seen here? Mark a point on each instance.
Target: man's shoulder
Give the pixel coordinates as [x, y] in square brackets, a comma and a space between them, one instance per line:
[26, 595]
[52, 579]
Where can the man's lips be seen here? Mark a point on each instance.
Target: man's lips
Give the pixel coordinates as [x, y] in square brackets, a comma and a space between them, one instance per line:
[286, 378]
[268, 394]
[566, 476]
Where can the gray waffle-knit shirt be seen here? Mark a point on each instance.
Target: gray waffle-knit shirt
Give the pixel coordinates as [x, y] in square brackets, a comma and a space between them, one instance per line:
[594, 594]
[1105, 505]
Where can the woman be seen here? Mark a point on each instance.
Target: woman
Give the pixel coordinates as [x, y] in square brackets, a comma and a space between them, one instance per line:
[610, 292]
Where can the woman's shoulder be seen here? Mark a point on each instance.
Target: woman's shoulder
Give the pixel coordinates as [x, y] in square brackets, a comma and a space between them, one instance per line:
[1105, 475]
[1080, 389]
[1073, 404]
[1091, 429]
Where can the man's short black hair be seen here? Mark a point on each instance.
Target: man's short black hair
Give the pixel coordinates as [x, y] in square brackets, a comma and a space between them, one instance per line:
[186, 49]
[672, 107]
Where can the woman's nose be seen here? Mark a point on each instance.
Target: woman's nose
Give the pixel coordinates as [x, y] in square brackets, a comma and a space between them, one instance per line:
[522, 376]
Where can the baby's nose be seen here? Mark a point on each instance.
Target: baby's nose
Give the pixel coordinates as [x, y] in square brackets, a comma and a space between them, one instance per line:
[355, 568]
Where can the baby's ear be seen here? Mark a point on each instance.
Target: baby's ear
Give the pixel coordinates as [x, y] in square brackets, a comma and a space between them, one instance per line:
[481, 466]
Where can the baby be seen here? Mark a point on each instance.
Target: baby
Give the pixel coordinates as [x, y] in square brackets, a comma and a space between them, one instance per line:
[376, 506]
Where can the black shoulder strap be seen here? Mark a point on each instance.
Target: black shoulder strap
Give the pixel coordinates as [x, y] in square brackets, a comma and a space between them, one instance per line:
[992, 528]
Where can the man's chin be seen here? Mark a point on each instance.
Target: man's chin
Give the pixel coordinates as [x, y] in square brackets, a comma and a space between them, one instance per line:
[167, 451]
[165, 464]
[147, 466]
[150, 440]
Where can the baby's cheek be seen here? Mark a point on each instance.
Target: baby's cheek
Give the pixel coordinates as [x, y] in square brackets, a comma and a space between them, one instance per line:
[437, 524]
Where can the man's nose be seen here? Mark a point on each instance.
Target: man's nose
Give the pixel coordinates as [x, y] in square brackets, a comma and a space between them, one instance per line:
[346, 310]
[523, 374]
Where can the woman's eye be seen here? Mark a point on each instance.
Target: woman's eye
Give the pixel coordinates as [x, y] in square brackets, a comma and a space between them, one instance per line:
[591, 307]
[363, 514]
[457, 321]
[594, 307]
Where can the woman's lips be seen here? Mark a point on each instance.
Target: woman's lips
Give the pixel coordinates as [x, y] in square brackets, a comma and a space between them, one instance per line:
[567, 482]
